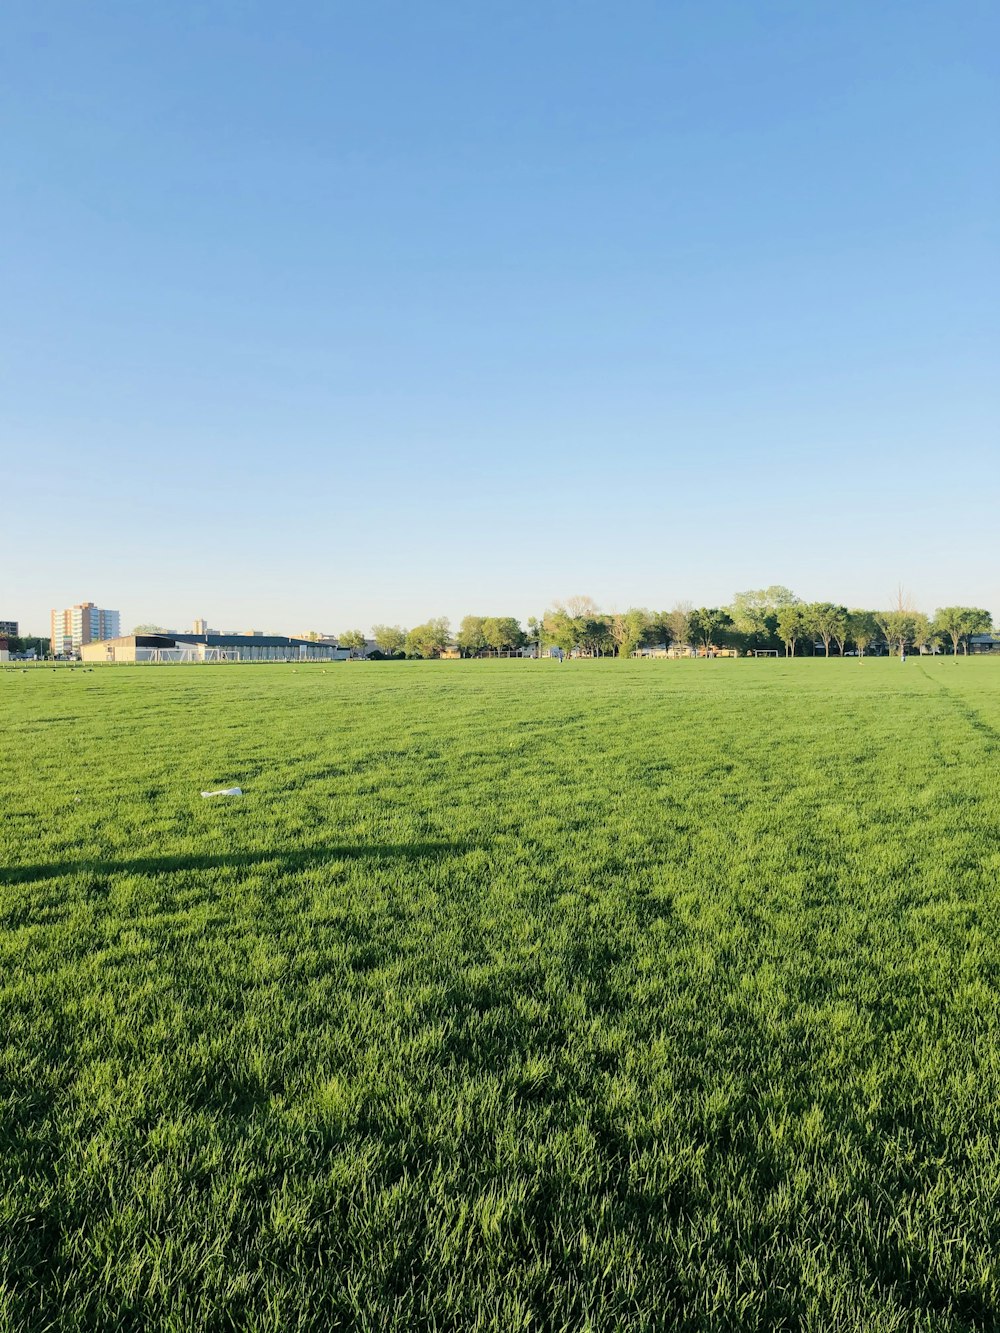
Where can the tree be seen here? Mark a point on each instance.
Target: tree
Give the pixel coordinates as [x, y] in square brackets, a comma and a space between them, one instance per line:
[628, 629]
[790, 627]
[560, 628]
[28, 643]
[978, 622]
[470, 637]
[579, 607]
[842, 634]
[577, 624]
[514, 636]
[536, 633]
[828, 621]
[862, 628]
[708, 626]
[923, 632]
[618, 632]
[353, 640]
[503, 633]
[595, 634]
[807, 623]
[149, 629]
[897, 624]
[755, 613]
[429, 639]
[959, 622]
[389, 638]
[897, 627]
[658, 630]
[679, 623]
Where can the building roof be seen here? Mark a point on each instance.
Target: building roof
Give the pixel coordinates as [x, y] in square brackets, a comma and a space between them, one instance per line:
[213, 640]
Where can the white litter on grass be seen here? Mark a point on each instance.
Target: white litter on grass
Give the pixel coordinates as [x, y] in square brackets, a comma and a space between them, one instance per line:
[225, 791]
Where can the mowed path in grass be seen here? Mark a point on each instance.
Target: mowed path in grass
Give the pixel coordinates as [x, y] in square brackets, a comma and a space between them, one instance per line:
[634, 995]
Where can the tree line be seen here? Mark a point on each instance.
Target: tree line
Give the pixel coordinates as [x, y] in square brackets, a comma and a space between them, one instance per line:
[27, 643]
[758, 620]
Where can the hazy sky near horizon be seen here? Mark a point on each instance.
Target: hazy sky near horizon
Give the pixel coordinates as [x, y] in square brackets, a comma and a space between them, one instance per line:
[325, 314]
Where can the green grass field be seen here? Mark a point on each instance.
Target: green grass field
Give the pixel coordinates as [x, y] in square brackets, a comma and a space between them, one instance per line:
[641, 995]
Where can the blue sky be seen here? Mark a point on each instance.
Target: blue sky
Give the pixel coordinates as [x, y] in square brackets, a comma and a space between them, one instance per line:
[324, 314]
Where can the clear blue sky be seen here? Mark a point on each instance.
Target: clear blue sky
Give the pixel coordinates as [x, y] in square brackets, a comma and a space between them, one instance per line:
[322, 314]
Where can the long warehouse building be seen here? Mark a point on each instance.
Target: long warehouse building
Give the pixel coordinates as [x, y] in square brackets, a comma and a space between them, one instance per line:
[210, 648]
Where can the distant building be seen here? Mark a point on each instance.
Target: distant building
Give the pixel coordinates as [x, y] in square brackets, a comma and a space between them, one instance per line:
[210, 648]
[8, 628]
[200, 627]
[984, 643]
[82, 624]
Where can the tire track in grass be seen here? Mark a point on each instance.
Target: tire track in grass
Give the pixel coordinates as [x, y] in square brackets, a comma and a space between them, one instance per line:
[965, 711]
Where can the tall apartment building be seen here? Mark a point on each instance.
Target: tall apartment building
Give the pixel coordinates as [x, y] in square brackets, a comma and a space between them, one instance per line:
[201, 626]
[85, 623]
[8, 628]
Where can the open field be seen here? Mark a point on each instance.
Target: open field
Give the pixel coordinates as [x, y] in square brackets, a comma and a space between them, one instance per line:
[510, 996]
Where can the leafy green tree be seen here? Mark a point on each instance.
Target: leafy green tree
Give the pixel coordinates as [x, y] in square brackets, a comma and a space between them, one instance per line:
[807, 621]
[709, 627]
[428, 640]
[595, 634]
[503, 633]
[536, 633]
[828, 621]
[353, 640]
[899, 624]
[658, 630]
[958, 623]
[577, 623]
[628, 629]
[470, 637]
[637, 624]
[842, 634]
[791, 627]
[560, 628]
[149, 629]
[755, 614]
[389, 639]
[898, 628]
[862, 629]
[923, 631]
[28, 643]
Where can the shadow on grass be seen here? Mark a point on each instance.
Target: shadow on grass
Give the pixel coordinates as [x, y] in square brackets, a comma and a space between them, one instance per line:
[283, 862]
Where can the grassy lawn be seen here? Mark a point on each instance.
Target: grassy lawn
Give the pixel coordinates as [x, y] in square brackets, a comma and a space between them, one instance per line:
[641, 995]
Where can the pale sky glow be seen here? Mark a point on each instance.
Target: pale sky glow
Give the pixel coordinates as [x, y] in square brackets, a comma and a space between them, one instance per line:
[326, 314]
